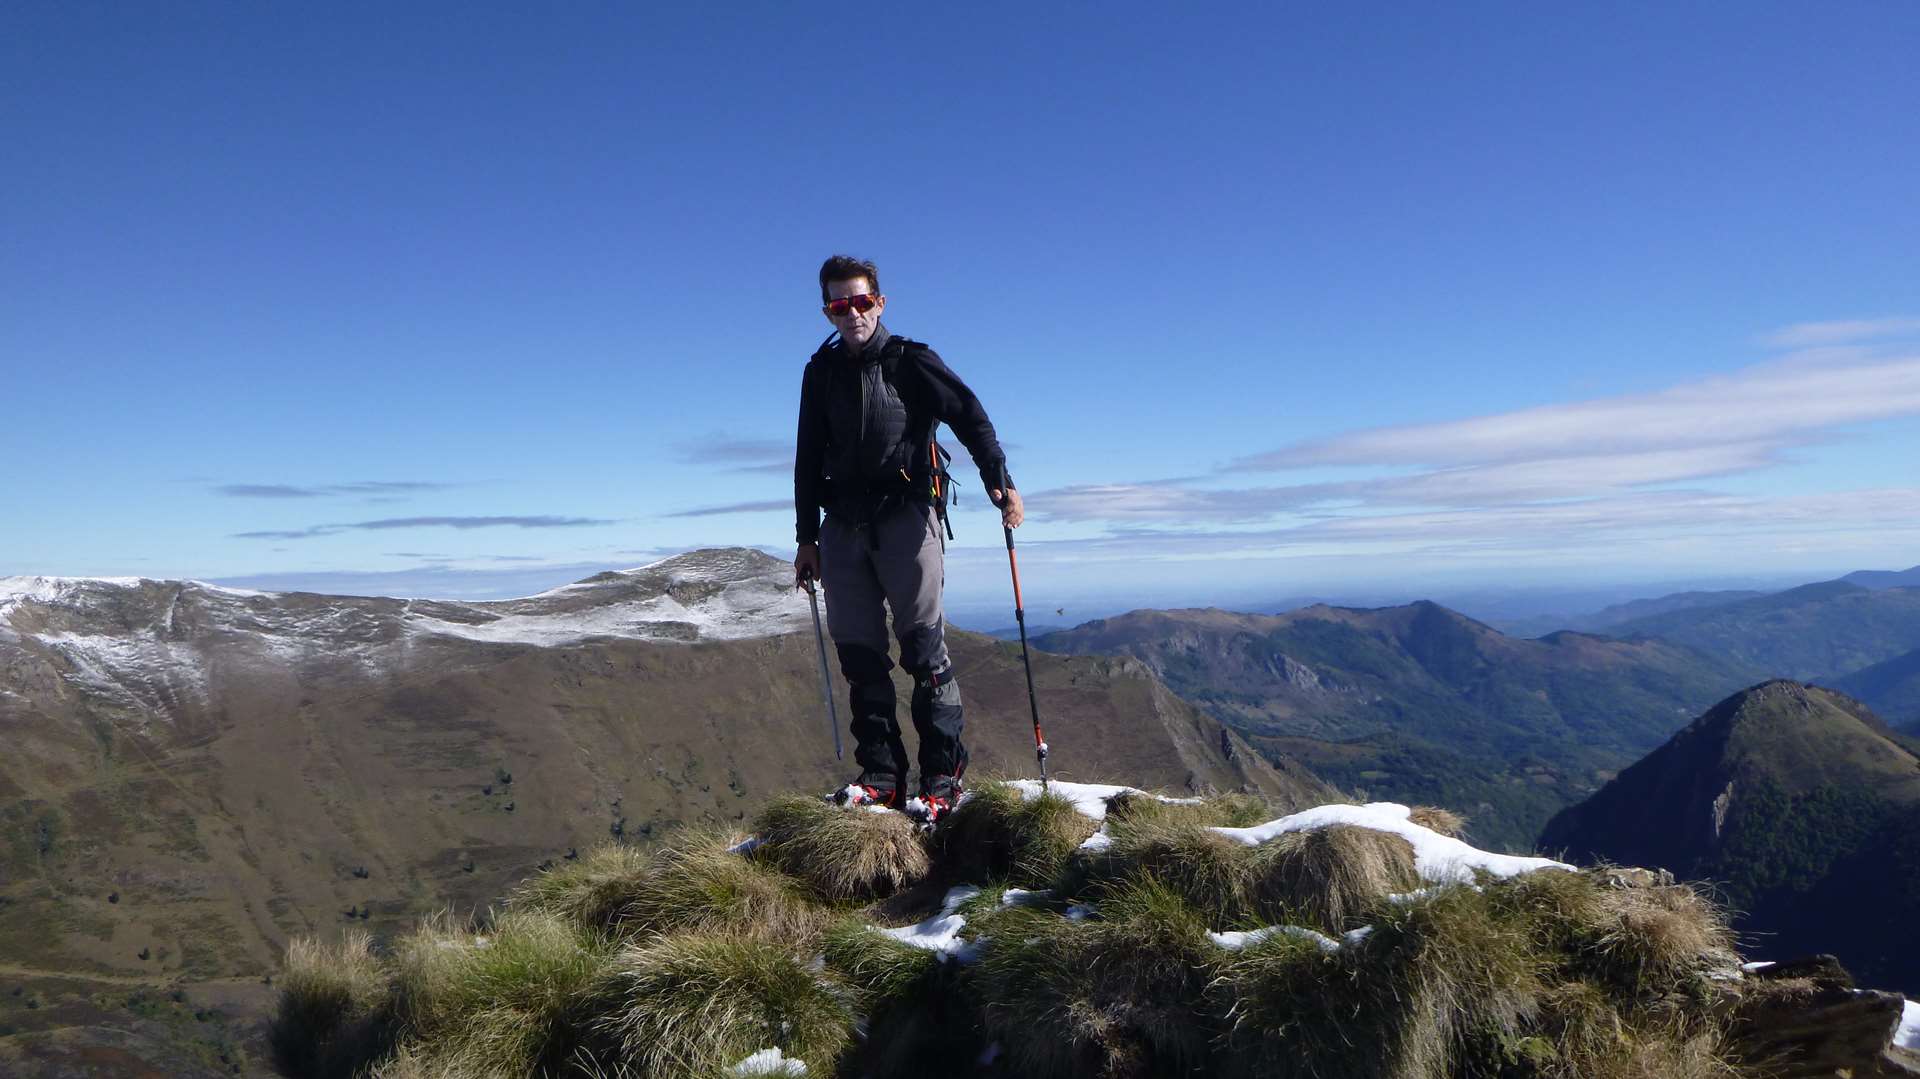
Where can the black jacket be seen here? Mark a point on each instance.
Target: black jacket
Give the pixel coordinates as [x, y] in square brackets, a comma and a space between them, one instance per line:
[865, 423]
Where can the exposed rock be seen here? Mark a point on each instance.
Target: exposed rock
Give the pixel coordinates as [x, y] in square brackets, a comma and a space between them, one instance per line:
[1803, 1019]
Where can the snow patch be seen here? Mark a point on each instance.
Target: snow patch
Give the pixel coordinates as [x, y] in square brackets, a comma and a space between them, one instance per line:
[1437, 857]
[769, 1062]
[941, 933]
[1907, 1036]
[1089, 799]
[1234, 940]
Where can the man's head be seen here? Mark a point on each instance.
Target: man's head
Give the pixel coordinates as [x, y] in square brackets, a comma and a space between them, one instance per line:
[850, 297]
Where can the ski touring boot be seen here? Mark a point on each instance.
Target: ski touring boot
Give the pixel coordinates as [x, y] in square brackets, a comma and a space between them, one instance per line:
[939, 795]
[870, 788]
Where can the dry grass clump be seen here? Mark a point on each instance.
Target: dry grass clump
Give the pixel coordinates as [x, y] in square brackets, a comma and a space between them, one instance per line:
[1643, 940]
[913, 1008]
[504, 1002]
[695, 1003]
[1220, 810]
[1119, 995]
[696, 883]
[1325, 877]
[1436, 819]
[998, 834]
[588, 892]
[881, 969]
[1584, 1035]
[1209, 871]
[1033, 981]
[330, 1016]
[840, 853]
[1437, 988]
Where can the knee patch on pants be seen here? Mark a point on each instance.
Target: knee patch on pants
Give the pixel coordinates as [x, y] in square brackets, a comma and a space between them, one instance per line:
[862, 664]
[923, 647]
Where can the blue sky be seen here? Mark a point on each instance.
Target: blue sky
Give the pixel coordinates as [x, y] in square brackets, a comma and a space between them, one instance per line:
[1276, 299]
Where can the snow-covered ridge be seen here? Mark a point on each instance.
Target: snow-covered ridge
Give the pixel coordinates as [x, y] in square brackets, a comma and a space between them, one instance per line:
[152, 646]
[723, 594]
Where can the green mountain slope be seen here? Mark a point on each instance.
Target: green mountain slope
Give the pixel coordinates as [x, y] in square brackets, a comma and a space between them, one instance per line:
[1422, 704]
[1814, 631]
[1800, 803]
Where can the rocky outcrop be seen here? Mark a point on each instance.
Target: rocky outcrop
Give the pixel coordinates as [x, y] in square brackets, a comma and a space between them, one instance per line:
[1805, 1019]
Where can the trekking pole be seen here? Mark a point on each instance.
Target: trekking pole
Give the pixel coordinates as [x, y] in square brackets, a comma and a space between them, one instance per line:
[1020, 616]
[826, 680]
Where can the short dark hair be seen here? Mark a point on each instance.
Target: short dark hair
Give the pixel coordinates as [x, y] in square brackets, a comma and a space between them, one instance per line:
[846, 268]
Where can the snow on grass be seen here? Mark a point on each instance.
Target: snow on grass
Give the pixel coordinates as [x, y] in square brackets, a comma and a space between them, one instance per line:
[1908, 1034]
[1438, 858]
[1091, 799]
[941, 933]
[1234, 940]
[769, 1062]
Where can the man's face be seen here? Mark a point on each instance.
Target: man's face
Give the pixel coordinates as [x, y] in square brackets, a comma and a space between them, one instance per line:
[855, 326]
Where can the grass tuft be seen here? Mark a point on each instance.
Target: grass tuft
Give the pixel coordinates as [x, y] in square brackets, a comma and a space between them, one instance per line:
[841, 853]
[1325, 877]
[884, 971]
[695, 1003]
[587, 893]
[1438, 987]
[1206, 869]
[331, 1002]
[1219, 811]
[697, 884]
[1645, 941]
[1444, 821]
[998, 834]
[506, 1001]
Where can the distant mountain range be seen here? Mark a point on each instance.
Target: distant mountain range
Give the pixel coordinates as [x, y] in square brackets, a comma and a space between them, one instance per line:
[1815, 631]
[1891, 688]
[194, 774]
[1422, 704]
[1800, 804]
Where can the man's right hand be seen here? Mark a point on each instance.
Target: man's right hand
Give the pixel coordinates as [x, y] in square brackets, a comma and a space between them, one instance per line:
[806, 564]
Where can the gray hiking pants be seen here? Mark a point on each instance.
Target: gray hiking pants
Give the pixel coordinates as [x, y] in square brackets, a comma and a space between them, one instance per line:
[896, 562]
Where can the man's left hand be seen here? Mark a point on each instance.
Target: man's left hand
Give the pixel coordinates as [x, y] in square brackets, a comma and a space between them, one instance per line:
[1011, 512]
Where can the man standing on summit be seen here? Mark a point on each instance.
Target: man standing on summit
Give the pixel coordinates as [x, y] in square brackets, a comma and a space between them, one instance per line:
[869, 403]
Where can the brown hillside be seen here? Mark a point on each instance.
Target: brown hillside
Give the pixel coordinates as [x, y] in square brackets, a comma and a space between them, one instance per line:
[199, 774]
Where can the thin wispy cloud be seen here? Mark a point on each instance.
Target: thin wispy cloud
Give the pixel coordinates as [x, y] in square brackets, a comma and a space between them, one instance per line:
[736, 507]
[1829, 334]
[1774, 403]
[462, 523]
[1596, 525]
[383, 489]
[1636, 468]
[738, 454]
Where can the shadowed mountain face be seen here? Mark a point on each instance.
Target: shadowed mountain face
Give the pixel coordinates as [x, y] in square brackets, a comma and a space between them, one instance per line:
[1800, 803]
[1422, 704]
[1891, 689]
[195, 774]
[1815, 631]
